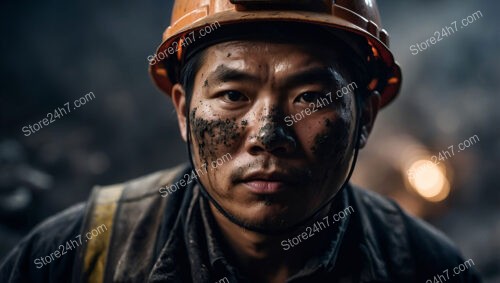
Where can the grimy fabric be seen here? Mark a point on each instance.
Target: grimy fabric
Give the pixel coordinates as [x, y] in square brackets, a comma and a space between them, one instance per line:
[175, 239]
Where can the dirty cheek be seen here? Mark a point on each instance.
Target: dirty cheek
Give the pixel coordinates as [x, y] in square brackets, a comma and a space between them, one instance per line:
[332, 142]
[214, 137]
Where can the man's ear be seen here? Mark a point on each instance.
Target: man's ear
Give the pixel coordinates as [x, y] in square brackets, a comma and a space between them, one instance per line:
[369, 111]
[179, 100]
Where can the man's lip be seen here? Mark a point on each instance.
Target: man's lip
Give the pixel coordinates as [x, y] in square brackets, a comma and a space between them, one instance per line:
[268, 182]
[264, 187]
[273, 176]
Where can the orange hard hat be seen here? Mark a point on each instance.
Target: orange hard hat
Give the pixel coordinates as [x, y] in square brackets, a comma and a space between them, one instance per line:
[359, 17]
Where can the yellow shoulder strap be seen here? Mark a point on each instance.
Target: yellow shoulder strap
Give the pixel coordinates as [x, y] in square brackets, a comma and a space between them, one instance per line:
[102, 211]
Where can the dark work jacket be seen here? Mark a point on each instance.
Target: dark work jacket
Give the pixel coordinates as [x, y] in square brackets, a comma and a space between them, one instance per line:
[149, 238]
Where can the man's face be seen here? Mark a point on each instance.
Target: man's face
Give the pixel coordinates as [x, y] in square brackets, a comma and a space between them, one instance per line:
[269, 161]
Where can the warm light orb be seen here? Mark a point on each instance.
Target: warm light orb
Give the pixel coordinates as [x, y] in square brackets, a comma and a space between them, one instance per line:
[428, 180]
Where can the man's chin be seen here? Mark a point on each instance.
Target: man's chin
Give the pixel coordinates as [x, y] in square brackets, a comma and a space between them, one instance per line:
[267, 217]
[264, 225]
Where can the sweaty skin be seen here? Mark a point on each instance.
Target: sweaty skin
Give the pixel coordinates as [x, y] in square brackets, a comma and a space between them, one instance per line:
[278, 174]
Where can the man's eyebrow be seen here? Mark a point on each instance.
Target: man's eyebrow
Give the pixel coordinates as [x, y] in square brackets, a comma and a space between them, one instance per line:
[224, 73]
[325, 75]
[319, 74]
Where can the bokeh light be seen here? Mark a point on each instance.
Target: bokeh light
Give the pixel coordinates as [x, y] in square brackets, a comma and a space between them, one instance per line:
[428, 180]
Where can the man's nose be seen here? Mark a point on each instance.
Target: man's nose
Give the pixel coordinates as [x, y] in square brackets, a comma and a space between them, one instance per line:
[272, 135]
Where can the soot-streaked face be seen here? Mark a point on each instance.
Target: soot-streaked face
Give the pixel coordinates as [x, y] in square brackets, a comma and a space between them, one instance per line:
[271, 157]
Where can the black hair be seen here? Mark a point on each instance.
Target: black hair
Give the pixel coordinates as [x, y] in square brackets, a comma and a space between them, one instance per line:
[188, 73]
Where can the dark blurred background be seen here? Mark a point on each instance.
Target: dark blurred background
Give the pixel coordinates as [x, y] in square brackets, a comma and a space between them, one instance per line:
[57, 51]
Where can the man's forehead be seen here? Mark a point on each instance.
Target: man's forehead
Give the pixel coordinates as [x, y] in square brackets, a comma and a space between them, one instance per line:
[240, 48]
[258, 61]
[264, 56]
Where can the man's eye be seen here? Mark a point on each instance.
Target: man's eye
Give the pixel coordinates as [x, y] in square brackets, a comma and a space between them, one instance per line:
[309, 97]
[234, 96]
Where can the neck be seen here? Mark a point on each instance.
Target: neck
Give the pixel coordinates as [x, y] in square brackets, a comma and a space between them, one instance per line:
[256, 251]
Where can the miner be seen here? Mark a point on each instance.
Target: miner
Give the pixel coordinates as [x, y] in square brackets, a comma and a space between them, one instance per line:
[232, 85]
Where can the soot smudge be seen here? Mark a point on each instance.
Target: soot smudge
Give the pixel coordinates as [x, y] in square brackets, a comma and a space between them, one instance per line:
[212, 134]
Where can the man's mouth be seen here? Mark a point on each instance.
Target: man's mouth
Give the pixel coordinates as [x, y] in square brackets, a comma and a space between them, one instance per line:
[268, 182]
[264, 187]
